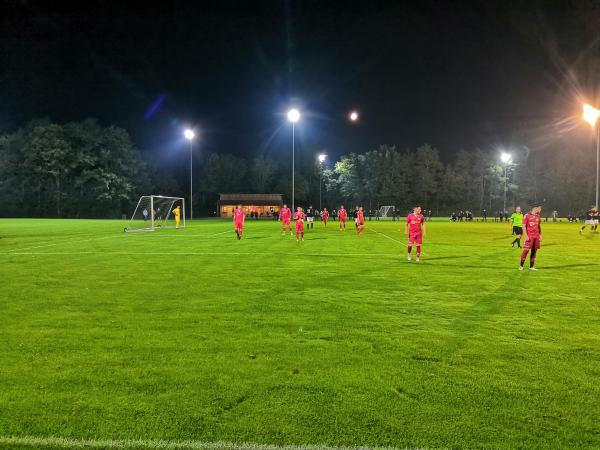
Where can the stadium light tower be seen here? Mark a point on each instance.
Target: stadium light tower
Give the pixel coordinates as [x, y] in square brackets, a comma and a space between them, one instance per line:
[293, 116]
[505, 157]
[590, 115]
[190, 135]
[322, 157]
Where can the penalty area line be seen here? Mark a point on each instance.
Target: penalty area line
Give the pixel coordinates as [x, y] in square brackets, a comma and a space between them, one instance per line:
[385, 235]
[61, 442]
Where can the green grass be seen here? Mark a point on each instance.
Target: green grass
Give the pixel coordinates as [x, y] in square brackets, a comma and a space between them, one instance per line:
[192, 335]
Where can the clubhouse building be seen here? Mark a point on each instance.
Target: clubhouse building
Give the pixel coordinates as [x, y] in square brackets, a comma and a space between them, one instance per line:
[258, 205]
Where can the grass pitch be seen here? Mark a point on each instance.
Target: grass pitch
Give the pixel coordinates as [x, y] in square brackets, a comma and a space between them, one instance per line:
[191, 335]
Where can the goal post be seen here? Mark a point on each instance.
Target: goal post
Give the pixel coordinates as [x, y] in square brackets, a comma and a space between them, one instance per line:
[386, 211]
[156, 211]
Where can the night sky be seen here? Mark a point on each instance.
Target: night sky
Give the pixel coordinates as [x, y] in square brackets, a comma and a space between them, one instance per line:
[456, 75]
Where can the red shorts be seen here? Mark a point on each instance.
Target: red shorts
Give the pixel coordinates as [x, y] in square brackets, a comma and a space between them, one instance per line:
[299, 226]
[532, 243]
[361, 223]
[415, 237]
[238, 225]
[342, 219]
[285, 222]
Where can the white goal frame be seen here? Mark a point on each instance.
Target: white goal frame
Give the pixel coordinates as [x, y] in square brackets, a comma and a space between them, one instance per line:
[385, 210]
[154, 222]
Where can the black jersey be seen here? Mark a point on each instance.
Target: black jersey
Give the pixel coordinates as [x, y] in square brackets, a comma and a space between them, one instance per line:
[310, 212]
[591, 215]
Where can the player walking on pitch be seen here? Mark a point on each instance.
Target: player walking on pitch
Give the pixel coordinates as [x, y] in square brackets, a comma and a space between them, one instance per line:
[533, 230]
[285, 215]
[299, 217]
[325, 216]
[342, 214]
[238, 221]
[414, 227]
[591, 219]
[360, 221]
[177, 215]
[517, 226]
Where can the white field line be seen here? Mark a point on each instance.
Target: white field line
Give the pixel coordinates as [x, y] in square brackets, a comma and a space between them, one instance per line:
[71, 241]
[278, 255]
[65, 242]
[383, 234]
[37, 442]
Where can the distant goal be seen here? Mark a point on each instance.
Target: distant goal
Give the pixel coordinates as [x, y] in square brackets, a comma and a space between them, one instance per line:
[386, 211]
[157, 211]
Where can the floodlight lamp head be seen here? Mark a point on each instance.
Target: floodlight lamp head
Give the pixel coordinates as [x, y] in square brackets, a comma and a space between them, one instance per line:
[322, 157]
[505, 157]
[189, 134]
[590, 114]
[293, 115]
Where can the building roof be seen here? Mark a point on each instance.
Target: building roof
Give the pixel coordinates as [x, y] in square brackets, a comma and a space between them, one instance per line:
[251, 199]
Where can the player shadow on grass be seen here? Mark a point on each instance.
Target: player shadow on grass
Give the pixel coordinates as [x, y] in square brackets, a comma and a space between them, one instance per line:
[570, 266]
[434, 258]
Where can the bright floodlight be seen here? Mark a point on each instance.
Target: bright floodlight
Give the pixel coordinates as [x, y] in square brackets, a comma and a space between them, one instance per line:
[322, 157]
[293, 115]
[505, 157]
[353, 116]
[189, 134]
[590, 114]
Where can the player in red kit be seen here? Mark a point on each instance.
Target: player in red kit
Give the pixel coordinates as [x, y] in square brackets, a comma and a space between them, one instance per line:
[342, 214]
[533, 230]
[285, 215]
[238, 221]
[325, 216]
[299, 217]
[415, 228]
[360, 221]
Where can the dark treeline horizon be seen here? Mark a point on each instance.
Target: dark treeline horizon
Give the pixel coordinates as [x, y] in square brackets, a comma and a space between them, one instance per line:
[85, 170]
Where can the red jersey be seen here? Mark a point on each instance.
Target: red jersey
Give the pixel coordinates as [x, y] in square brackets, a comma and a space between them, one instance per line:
[415, 221]
[238, 216]
[299, 216]
[285, 214]
[532, 225]
[342, 214]
[360, 217]
[325, 215]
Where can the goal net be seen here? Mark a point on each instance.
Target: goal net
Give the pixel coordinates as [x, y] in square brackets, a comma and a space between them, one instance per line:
[157, 211]
[386, 211]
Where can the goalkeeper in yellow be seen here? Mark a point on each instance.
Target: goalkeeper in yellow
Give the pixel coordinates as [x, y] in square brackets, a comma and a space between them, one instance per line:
[177, 215]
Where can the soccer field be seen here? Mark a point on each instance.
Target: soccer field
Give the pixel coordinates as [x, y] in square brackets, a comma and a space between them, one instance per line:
[191, 335]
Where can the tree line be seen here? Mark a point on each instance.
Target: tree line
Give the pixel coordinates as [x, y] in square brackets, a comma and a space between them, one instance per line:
[81, 169]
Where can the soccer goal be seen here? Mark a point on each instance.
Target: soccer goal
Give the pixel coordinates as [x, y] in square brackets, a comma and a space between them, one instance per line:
[157, 211]
[386, 211]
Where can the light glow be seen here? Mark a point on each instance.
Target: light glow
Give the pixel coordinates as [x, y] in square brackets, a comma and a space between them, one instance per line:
[189, 134]
[505, 157]
[322, 157]
[353, 116]
[590, 114]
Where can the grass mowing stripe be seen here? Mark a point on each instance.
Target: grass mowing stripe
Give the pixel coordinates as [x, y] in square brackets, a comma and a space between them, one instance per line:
[33, 441]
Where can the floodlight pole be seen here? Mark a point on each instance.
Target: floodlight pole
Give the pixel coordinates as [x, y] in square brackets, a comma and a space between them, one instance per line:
[597, 160]
[320, 182]
[505, 185]
[191, 183]
[293, 164]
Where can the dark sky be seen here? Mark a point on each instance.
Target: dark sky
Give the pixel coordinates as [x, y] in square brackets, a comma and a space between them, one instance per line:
[454, 74]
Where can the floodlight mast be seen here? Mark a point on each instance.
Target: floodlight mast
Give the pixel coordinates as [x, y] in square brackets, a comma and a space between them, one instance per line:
[190, 135]
[293, 116]
[505, 157]
[590, 115]
[322, 157]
